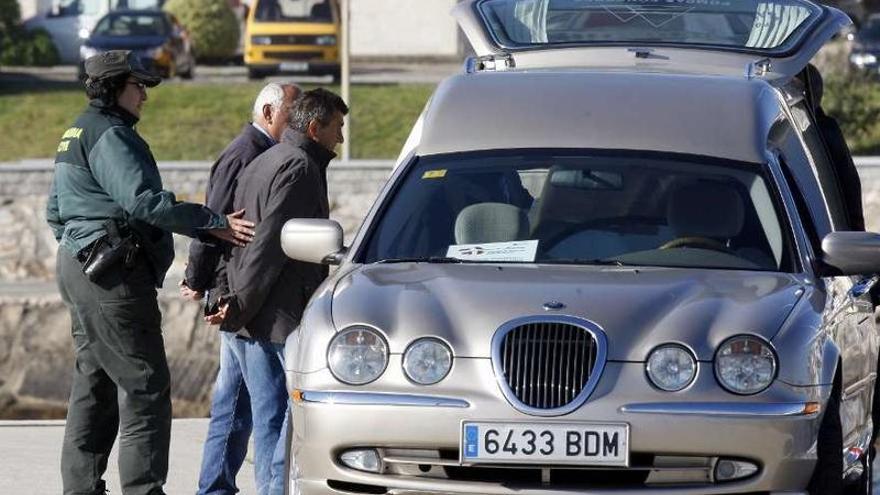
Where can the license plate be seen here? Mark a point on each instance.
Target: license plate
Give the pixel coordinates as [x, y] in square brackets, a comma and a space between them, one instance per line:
[294, 66]
[601, 444]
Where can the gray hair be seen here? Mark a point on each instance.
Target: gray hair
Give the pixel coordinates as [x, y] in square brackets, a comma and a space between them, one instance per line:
[272, 94]
[318, 105]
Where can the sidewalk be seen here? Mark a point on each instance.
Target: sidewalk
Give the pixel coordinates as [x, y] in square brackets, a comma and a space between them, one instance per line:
[31, 455]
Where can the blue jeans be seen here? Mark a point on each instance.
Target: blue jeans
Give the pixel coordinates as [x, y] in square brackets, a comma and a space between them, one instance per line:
[249, 395]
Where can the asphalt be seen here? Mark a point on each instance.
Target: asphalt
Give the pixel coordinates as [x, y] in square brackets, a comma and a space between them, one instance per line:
[30, 456]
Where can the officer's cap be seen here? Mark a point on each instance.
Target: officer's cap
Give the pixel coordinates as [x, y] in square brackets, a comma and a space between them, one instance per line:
[118, 62]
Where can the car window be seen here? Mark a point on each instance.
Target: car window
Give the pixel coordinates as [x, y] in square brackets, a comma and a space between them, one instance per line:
[293, 11]
[131, 25]
[802, 178]
[762, 25]
[825, 172]
[559, 207]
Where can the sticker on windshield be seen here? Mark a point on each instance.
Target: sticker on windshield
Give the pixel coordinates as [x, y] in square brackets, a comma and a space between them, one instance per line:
[434, 174]
[524, 251]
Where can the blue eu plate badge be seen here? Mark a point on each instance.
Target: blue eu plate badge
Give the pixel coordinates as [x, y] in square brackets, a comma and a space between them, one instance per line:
[471, 441]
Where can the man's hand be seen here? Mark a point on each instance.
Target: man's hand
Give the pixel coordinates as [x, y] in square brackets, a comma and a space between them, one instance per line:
[240, 231]
[189, 294]
[218, 317]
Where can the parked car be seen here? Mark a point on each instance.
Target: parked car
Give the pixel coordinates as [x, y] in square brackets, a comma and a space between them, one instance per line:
[613, 257]
[162, 43]
[865, 48]
[292, 36]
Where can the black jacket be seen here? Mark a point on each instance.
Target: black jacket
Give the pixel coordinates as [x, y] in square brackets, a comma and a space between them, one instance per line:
[268, 290]
[205, 269]
[847, 175]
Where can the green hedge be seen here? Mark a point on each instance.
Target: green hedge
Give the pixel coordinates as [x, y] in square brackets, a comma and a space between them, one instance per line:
[854, 100]
[19, 46]
[211, 23]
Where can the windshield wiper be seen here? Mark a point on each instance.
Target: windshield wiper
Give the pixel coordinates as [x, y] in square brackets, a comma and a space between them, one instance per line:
[416, 259]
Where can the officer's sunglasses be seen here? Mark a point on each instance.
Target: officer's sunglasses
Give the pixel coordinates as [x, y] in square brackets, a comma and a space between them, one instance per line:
[141, 86]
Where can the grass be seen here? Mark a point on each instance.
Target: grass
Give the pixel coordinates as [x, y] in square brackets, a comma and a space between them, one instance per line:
[196, 121]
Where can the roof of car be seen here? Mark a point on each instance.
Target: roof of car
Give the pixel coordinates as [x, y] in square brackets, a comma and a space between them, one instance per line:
[725, 117]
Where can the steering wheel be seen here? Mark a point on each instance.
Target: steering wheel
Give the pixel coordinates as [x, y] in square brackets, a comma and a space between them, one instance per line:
[698, 242]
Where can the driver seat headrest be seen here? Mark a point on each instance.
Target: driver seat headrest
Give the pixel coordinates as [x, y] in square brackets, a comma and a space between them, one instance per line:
[705, 209]
[490, 222]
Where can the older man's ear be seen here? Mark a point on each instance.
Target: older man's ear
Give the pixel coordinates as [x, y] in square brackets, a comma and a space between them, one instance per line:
[268, 114]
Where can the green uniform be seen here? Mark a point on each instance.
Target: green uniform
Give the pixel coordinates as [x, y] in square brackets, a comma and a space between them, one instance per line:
[104, 170]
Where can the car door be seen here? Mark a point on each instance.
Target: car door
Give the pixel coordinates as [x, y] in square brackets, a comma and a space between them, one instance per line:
[849, 309]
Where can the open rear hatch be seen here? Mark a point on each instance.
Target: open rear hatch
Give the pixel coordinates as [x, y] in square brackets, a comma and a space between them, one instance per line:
[769, 38]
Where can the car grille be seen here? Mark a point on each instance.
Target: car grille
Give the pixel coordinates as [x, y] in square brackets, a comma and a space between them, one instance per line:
[547, 365]
[294, 55]
[301, 39]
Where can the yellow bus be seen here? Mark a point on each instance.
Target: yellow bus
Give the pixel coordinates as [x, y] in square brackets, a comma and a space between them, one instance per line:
[292, 36]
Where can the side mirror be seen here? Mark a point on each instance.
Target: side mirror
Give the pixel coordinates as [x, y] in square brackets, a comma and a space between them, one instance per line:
[852, 253]
[313, 240]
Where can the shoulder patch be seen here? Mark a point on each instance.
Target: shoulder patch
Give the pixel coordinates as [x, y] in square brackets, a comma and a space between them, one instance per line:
[69, 134]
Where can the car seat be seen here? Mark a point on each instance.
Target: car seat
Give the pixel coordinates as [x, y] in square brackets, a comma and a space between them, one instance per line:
[490, 222]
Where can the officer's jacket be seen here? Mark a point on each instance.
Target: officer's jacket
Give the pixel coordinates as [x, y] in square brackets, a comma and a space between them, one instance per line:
[104, 170]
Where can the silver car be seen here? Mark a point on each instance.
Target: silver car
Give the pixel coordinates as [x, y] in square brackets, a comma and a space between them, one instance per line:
[613, 259]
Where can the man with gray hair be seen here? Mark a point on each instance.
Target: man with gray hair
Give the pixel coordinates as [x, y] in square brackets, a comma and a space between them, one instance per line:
[268, 291]
[234, 403]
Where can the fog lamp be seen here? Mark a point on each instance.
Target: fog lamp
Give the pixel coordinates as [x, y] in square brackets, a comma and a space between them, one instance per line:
[727, 470]
[362, 460]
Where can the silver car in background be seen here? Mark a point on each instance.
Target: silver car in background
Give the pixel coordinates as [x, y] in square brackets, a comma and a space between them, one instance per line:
[612, 259]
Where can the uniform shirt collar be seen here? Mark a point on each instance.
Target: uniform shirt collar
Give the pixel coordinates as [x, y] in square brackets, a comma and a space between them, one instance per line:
[99, 106]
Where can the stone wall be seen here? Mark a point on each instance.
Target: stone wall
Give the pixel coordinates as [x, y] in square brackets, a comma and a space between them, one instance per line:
[35, 346]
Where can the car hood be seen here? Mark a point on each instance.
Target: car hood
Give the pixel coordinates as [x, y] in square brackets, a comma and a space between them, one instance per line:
[125, 42]
[638, 309]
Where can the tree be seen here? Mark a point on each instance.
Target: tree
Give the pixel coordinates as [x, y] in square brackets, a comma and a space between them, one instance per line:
[211, 24]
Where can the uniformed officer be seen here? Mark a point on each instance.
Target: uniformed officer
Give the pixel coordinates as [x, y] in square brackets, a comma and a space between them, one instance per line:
[113, 222]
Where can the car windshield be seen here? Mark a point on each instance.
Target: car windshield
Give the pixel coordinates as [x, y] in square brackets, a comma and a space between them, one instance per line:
[131, 25]
[760, 25]
[555, 207]
[293, 11]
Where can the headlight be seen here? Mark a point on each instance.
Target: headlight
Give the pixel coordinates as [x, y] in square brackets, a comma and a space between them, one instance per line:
[157, 52]
[326, 40]
[671, 367]
[87, 51]
[261, 40]
[745, 365]
[427, 361]
[861, 59]
[357, 355]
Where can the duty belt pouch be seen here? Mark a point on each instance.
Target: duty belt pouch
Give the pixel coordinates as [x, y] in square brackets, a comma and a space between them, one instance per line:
[109, 252]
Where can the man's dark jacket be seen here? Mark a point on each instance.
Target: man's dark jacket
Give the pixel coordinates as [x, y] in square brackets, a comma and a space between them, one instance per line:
[268, 290]
[205, 269]
[105, 170]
